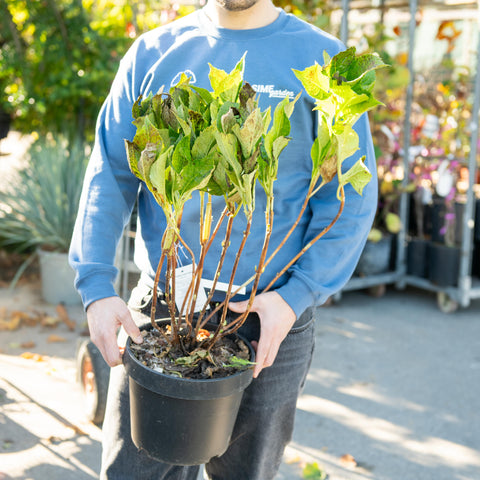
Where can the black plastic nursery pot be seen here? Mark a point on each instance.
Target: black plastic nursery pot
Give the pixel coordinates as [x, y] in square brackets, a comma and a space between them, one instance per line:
[375, 257]
[181, 421]
[417, 257]
[443, 265]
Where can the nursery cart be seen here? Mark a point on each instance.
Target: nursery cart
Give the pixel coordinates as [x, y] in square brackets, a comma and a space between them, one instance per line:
[467, 287]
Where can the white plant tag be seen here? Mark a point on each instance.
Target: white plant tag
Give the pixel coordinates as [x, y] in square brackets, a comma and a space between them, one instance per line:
[222, 287]
[183, 278]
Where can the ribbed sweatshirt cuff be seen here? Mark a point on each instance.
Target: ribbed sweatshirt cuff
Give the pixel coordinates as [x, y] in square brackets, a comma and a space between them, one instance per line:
[95, 288]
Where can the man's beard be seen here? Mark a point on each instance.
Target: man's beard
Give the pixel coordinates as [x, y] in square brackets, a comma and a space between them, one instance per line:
[236, 5]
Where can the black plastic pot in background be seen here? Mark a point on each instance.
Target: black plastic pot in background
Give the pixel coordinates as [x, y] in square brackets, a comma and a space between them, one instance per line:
[443, 265]
[439, 211]
[438, 220]
[476, 259]
[376, 257]
[182, 421]
[476, 230]
[417, 257]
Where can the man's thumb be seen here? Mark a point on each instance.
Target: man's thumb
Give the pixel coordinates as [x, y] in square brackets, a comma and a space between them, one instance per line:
[238, 307]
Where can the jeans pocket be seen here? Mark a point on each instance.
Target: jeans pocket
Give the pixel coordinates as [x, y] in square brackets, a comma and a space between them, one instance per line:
[305, 320]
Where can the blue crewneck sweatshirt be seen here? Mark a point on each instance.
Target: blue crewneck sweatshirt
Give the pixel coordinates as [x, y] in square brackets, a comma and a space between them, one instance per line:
[157, 59]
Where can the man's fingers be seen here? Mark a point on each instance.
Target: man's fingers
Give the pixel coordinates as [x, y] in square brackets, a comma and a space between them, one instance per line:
[131, 328]
[238, 307]
[112, 354]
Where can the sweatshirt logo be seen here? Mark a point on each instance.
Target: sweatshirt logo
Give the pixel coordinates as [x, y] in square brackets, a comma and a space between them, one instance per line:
[273, 92]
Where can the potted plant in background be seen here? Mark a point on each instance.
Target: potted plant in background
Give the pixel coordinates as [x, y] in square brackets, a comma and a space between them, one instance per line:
[38, 210]
[378, 254]
[190, 141]
[444, 250]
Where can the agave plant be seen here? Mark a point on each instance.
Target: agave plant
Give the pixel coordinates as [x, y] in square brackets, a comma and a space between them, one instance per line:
[38, 208]
[219, 143]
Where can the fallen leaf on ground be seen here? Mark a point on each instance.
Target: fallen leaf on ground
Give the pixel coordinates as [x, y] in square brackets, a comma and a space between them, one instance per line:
[33, 356]
[28, 319]
[313, 472]
[9, 324]
[55, 339]
[49, 321]
[63, 315]
[28, 344]
[348, 460]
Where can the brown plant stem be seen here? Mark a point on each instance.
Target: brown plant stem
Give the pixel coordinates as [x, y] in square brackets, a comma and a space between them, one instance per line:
[309, 244]
[246, 233]
[239, 321]
[226, 243]
[155, 296]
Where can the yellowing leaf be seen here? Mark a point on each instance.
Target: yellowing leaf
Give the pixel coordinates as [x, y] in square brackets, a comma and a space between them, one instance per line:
[358, 176]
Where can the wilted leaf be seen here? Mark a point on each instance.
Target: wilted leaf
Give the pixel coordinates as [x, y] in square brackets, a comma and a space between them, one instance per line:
[49, 321]
[358, 176]
[56, 339]
[10, 324]
[348, 460]
[36, 357]
[28, 344]
[64, 317]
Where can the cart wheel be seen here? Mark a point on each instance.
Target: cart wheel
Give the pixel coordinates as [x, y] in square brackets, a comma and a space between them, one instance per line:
[446, 303]
[377, 291]
[93, 374]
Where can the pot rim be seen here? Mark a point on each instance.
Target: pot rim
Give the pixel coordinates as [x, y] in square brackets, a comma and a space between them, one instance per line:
[186, 388]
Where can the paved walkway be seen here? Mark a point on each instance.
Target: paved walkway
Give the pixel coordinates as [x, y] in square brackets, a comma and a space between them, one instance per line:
[393, 394]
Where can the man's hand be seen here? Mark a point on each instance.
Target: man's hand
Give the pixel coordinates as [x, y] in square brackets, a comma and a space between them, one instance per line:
[276, 320]
[104, 317]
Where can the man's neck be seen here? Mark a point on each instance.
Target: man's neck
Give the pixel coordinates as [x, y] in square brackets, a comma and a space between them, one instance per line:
[258, 15]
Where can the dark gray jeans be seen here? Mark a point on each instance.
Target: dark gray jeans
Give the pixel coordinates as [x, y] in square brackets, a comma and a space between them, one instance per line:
[264, 424]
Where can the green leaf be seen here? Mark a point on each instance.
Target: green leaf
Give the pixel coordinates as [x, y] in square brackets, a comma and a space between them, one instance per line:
[157, 177]
[278, 145]
[314, 81]
[358, 176]
[203, 143]
[279, 128]
[227, 144]
[321, 145]
[181, 154]
[205, 95]
[147, 132]
[194, 176]
[363, 65]
[348, 143]
[236, 362]
[250, 132]
[312, 471]
[227, 86]
[133, 156]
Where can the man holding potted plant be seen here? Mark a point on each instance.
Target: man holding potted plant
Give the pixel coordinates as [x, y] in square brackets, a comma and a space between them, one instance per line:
[283, 330]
